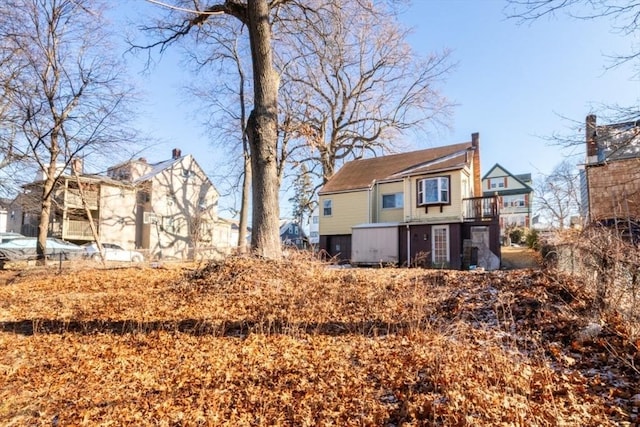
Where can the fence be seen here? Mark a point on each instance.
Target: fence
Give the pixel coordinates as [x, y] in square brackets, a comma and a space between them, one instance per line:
[609, 267]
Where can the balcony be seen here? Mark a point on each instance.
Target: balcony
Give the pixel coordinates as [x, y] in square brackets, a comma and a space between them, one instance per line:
[77, 230]
[480, 209]
[73, 199]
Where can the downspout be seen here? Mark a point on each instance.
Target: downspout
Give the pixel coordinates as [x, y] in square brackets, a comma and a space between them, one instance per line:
[369, 204]
[408, 245]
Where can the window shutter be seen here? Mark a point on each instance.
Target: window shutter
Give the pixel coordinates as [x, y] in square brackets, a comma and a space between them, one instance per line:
[489, 184]
[505, 182]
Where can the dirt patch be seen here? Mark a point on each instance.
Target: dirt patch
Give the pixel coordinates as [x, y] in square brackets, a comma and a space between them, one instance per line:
[518, 257]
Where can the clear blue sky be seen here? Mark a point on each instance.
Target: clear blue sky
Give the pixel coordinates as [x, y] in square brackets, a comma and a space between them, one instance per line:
[513, 83]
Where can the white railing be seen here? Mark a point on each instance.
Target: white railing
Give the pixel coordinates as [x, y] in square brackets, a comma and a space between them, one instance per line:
[75, 229]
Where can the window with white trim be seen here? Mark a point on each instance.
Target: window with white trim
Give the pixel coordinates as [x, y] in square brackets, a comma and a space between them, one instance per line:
[440, 244]
[433, 191]
[517, 201]
[497, 182]
[392, 201]
[327, 207]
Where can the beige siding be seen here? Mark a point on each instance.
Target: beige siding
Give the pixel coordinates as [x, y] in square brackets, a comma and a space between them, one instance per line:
[348, 209]
[183, 204]
[388, 215]
[497, 173]
[452, 212]
[118, 215]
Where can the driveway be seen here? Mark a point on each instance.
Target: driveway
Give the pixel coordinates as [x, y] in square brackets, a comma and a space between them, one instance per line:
[518, 257]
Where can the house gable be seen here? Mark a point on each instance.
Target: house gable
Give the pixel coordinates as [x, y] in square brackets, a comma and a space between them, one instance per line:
[361, 174]
[499, 180]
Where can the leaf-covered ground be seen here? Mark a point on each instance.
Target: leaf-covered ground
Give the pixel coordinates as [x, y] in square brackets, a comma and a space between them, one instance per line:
[298, 343]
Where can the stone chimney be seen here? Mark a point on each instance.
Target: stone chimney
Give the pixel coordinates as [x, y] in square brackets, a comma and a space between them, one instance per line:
[477, 181]
[176, 153]
[591, 138]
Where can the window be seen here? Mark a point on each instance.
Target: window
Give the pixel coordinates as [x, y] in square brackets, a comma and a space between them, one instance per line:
[315, 219]
[433, 191]
[314, 234]
[514, 201]
[187, 174]
[326, 208]
[440, 244]
[170, 224]
[497, 182]
[392, 201]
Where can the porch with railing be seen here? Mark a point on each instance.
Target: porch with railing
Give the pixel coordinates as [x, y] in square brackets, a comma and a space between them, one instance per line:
[73, 198]
[77, 230]
[480, 209]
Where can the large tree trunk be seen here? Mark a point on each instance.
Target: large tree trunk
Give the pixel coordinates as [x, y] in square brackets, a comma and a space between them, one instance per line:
[263, 136]
[45, 212]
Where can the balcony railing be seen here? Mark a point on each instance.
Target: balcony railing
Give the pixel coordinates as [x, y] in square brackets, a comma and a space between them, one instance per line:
[73, 198]
[77, 230]
[480, 208]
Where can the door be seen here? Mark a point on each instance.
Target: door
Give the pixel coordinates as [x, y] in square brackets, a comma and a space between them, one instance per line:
[440, 249]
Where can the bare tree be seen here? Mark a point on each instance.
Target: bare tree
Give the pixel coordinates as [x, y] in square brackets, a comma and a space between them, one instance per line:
[558, 194]
[624, 16]
[289, 21]
[70, 96]
[222, 87]
[10, 69]
[262, 134]
[351, 84]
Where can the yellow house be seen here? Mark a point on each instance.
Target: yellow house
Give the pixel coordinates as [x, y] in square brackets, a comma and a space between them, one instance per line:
[419, 208]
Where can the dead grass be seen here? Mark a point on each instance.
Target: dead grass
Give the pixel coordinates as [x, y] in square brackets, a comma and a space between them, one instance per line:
[291, 343]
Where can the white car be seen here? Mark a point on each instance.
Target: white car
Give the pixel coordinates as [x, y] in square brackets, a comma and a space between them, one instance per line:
[112, 252]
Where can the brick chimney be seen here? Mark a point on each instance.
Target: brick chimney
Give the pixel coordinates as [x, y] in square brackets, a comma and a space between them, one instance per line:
[176, 153]
[477, 181]
[77, 166]
[591, 138]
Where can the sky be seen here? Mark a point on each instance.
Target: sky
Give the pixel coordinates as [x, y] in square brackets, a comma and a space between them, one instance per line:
[516, 84]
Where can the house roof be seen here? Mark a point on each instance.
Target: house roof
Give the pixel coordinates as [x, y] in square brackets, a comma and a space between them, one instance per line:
[360, 174]
[523, 178]
[157, 168]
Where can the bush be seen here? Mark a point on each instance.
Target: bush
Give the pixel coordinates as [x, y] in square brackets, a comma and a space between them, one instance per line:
[516, 235]
[531, 239]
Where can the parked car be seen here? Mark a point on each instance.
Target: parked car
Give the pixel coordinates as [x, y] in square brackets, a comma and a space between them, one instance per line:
[5, 237]
[24, 248]
[112, 252]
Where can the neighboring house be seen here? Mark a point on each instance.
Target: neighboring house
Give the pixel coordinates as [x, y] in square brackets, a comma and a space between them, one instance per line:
[167, 209]
[291, 234]
[5, 206]
[515, 196]
[610, 180]
[418, 208]
[314, 227]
